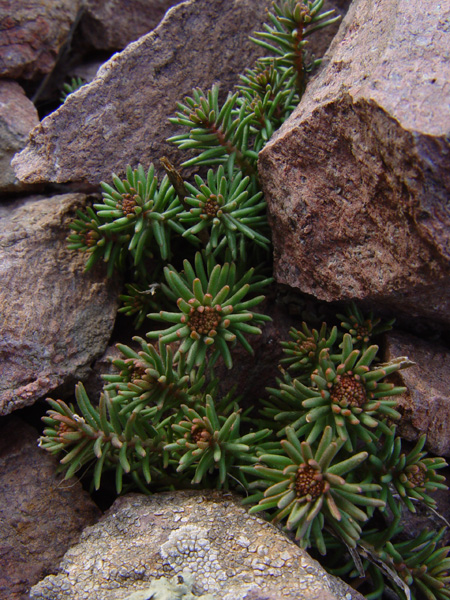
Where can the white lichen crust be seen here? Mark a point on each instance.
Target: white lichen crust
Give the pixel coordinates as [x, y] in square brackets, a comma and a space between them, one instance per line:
[230, 554]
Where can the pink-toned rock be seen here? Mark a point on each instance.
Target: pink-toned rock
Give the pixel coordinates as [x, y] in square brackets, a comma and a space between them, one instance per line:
[18, 117]
[122, 116]
[41, 515]
[112, 24]
[32, 33]
[358, 179]
[55, 319]
[425, 406]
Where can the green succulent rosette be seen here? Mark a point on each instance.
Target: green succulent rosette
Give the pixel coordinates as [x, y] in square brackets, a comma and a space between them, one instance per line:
[227, 211]
[213, 312]
[411, 476]
[143, 209]
[207, 442]
[306, 489]
[350, 395]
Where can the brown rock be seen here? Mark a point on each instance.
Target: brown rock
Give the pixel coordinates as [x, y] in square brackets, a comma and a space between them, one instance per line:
[32, 34]
[41, 515]
[425, 406]
[357, 179]
[121, 117]
[112, 24]
[228, 552]
[55, 318]
[18, 116]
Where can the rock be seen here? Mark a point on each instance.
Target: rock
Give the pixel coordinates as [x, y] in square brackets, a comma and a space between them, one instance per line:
[18, 116]
[357, 180]
[55, 319]
[41, 515]
[32, 34]
[230, 554]
[425, 406]
[318, 43]
[121, 117]
[112, 24]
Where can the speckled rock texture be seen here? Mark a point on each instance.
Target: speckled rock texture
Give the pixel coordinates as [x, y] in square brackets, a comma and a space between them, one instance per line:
[32, 32]
[358, 179]
[18, 117]
[55, 319]
[122, 116]
[425, 406]
[112, 24]
[41, 515]
[230, 554]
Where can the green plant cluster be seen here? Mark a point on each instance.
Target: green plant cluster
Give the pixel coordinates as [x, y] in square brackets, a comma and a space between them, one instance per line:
[68, 88]
[320, 454]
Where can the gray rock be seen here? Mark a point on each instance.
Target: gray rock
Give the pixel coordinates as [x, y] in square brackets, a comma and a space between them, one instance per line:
[55, 319]
[425, 406]
[121, 117]
[229, 553]
[112, 24]
[41, 515]
[18, 117]
[32, 35]
[357, 180]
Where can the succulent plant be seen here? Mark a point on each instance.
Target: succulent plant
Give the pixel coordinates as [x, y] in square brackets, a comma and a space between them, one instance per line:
[227, 211]
[151, 382]
[207, 442]
[290, 23]
[349, 395]
[363, 328]
[306, 488]
[302, 353]
[422, 564]
[68, 88]
[89, 238]
[411, 475]
[138, 301]
[268, 94]
[102, 436]
[212, 310]
[137, 206]
[161, 422]
[218, 135]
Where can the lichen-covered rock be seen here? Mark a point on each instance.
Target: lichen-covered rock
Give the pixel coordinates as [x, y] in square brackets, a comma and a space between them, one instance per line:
[41, 515]
[112, 24]
[229, 553]
[32, 34]
[18, 117]
[179, 587]
[55, 318]
[122, 116]
[425, 406]
[358, 179]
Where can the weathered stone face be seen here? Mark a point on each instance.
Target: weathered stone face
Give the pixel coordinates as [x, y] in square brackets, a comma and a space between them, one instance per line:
[122, 116]
[357, 180]
[112, 24]
[41, 515]
[230, 554]
[425, 406]
[55, 318]
[32, 34]
[18, 117]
